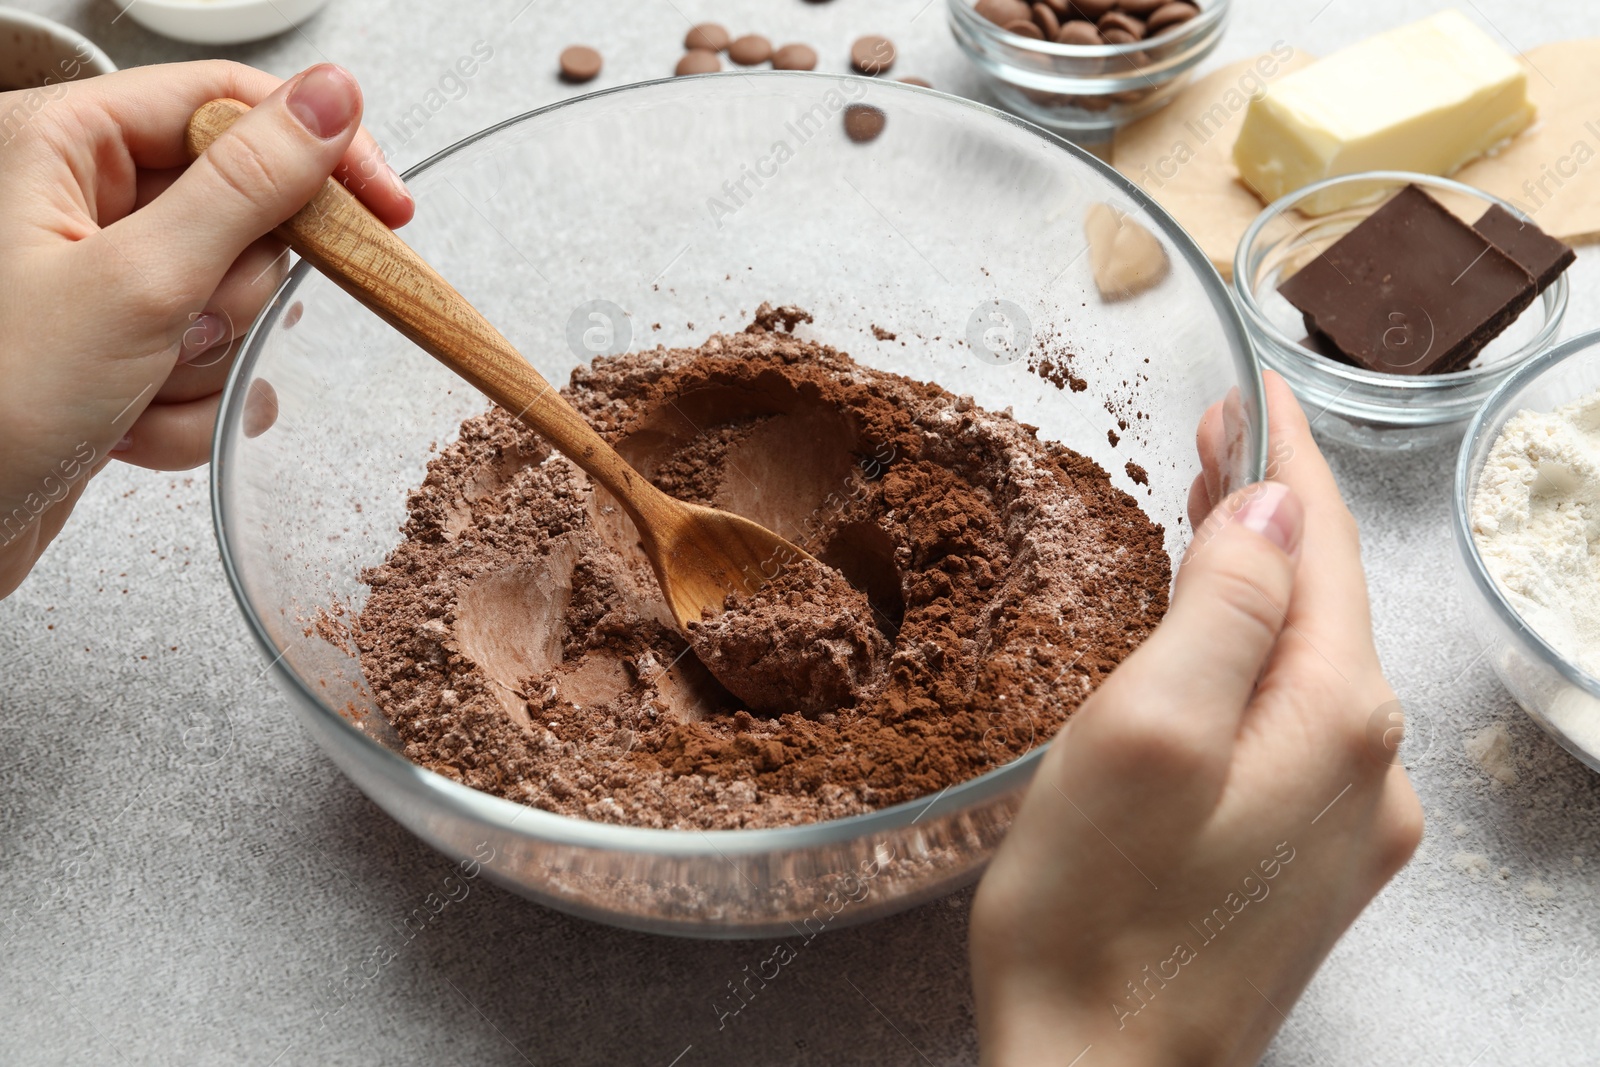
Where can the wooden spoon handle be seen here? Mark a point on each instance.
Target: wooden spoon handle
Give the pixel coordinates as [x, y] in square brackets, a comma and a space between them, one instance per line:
[338, 235]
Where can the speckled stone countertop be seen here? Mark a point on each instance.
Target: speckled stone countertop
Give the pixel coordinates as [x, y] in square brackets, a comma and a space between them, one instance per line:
[152, 912]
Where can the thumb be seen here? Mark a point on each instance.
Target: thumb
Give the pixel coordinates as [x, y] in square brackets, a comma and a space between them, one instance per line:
[1229, 606]
[255, 176]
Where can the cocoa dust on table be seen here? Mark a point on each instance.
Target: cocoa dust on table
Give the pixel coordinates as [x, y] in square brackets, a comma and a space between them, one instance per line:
[516, 640]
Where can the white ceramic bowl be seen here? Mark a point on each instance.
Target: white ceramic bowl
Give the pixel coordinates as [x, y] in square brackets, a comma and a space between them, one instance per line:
[221, 21]
[35, 52]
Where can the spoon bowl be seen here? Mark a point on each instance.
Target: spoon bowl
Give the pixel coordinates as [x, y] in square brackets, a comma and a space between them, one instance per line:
[700, 555]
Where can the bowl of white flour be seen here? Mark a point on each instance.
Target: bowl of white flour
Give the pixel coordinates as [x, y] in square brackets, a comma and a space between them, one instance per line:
[1527, 520]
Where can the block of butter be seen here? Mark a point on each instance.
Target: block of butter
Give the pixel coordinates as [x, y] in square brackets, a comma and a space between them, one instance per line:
[1429, 97]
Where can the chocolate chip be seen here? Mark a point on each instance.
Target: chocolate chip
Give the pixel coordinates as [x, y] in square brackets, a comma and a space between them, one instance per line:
[795, 57]
[1001, 12]
[863, 123]
[1092, 10]
[707, 36]
[579, 63]
[750, 50]
[1079, 32]
[1045, 18]
[872, 54]
[699, 61]
[913, 80]
[1116, 20]
[1169, 15]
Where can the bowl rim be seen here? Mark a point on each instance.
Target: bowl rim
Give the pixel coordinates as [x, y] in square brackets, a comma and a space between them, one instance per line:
[1494, 413]
[95, 56]
[511, 817]
[1408, 385]
[1212, 13]
[205, 11]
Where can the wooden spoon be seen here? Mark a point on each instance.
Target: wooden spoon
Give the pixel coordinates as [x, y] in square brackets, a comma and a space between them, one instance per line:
[699, 554]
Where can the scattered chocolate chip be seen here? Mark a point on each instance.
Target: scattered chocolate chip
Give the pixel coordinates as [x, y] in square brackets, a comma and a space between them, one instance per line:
[872, 54]
[708, 36]
[795, 57]
[579, 63]
[1080, 32]
[750, 50]
[699, 61]
[1169, 15]
[863, 123]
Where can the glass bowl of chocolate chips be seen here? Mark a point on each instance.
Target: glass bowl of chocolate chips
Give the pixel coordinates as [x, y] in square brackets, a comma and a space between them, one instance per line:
[1396, 303]
[1083, 68]
[957, 360]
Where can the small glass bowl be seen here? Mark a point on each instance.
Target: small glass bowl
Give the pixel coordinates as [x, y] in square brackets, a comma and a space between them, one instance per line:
[1349, 404]
[1085, 92]
[1559, 695]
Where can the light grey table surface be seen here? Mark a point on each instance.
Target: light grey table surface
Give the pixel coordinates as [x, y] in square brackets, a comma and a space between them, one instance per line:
[155, 913]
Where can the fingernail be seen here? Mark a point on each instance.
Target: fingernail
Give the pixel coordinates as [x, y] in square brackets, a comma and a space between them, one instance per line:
[204, 333]
[124, 444]
[326, 100]
[1272, 511]
[396, 181]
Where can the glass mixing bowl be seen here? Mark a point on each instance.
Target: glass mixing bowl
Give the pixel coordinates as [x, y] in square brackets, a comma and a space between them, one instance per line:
[660, 213]
[1557, 693]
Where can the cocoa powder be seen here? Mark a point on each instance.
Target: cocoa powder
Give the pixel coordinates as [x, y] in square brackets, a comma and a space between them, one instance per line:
[804, 641]
[516, 640]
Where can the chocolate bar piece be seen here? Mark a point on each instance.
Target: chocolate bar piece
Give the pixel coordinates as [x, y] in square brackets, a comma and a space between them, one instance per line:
[1411, 290]
[1537, 252]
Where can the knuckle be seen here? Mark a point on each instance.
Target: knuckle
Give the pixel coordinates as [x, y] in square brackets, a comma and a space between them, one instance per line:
[1153, 737]
[1401, 829]
[1256, 603]
[244, 168]
[1347, 525]
[227, 71]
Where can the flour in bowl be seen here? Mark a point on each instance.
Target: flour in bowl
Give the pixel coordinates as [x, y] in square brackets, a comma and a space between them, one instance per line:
[1536, 520]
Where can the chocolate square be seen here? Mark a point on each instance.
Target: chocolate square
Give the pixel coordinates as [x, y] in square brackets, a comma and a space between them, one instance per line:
[1535, 251]
[1411, 290]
